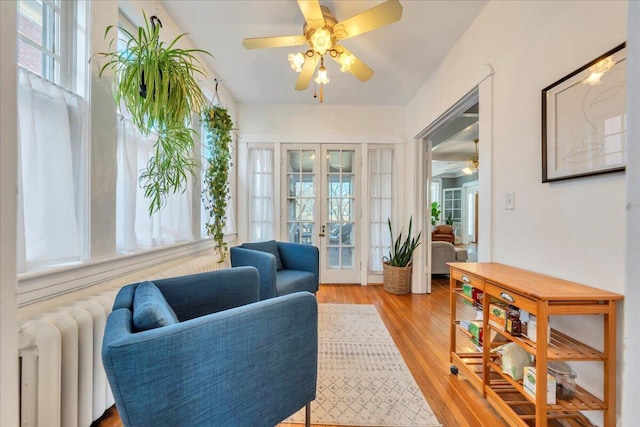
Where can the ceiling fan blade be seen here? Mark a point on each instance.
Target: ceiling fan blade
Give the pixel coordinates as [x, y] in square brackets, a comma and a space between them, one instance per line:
[376, 17]
[312, 13]
[306, 74]
[268, 42]
[359, 69]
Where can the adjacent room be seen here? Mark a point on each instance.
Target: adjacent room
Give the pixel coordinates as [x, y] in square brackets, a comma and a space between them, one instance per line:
[398, 213]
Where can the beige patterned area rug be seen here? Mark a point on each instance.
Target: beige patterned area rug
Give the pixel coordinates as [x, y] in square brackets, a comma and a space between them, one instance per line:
[362, 378]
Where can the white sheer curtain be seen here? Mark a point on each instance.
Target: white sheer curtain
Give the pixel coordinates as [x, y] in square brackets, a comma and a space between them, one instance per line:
[380, 201]
[261, 203]
[50, 132]
[135, 229]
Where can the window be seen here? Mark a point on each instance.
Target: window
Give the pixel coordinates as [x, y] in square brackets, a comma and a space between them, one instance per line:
[261, 203]
[51, 129]
[46, 39]
[435, 191]
[380, 202]
[135, 228]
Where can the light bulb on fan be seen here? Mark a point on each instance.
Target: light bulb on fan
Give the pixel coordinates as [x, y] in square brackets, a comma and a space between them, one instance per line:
[296, 60]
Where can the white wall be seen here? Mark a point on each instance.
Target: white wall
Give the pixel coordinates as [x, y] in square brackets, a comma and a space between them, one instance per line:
[573, 229]
[322, 123]
[8, 186]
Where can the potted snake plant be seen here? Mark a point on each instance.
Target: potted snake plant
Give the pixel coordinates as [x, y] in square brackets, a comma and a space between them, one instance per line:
[157, 84]
[397, 266]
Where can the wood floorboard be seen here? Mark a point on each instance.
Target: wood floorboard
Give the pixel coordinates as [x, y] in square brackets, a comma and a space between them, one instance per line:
[419, 325]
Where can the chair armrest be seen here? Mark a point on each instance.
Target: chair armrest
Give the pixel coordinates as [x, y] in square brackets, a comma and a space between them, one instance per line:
[250, 365]
[461, 255]
[263, 261]
[445, 248]
[296, 256]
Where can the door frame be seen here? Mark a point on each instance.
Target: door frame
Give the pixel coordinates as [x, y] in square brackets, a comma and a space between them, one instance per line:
[422, 150]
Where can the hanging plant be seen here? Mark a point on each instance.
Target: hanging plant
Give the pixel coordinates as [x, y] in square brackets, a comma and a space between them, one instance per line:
[215, 190]
[156, 83]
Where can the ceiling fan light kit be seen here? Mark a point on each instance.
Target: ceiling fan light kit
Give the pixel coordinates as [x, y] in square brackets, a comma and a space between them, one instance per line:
[472, 164]
[322, 32]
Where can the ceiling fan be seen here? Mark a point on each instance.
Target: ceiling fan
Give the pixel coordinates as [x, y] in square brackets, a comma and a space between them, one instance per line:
[472, 164]
[322, 32]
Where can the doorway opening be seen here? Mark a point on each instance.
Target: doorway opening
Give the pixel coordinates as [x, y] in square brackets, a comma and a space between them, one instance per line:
[450, 179]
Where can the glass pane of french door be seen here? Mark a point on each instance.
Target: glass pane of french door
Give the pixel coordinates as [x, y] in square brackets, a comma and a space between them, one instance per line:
[300, 196]
[340, 202]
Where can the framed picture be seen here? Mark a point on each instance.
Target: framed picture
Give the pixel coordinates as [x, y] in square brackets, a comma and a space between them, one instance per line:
[584, 120]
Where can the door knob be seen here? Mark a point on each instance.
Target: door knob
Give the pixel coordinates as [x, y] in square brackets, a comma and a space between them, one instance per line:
[322, 232]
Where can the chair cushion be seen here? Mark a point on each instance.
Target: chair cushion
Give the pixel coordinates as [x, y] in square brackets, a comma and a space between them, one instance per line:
[150, 308]
[270, 246]
[290, 281]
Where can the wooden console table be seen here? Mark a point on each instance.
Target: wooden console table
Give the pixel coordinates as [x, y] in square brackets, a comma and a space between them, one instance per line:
[542, 296]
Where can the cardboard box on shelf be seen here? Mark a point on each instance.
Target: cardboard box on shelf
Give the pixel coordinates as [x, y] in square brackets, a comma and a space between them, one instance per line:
[475, 328]
[498, 315]
[529, 384]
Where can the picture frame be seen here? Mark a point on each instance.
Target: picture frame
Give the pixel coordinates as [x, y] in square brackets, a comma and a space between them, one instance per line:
[584, 120]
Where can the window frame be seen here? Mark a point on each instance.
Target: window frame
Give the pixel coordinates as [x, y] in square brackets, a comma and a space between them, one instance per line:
[61, 51]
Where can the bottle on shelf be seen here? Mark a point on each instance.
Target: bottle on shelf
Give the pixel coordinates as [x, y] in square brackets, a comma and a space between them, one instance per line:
[514, 325]
[565, 379]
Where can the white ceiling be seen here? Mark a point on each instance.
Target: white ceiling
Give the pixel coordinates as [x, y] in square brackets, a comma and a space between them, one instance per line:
[402, 54]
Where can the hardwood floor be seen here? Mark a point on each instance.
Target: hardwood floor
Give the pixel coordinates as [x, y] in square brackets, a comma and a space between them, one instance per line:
[419, 327]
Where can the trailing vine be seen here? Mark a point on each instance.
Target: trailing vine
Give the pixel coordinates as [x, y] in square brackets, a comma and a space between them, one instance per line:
[218, 125]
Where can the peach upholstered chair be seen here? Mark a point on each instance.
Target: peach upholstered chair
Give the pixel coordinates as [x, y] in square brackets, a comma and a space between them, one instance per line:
[443, 233]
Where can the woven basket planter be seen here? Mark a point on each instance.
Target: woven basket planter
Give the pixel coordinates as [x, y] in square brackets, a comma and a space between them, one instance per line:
[397, 280]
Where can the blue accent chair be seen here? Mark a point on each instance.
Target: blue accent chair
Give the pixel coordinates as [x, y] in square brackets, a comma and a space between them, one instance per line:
[284, 267]
[210, 353]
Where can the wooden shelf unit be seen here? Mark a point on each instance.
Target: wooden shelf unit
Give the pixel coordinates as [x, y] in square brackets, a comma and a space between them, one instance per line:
[542, 296]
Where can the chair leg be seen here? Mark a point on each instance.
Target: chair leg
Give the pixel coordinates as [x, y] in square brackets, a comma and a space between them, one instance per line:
[307, 415]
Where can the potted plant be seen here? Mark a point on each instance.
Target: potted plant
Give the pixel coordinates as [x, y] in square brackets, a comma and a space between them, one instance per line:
[157, 85]
[435, 213]
[397, 267]
[215, 190]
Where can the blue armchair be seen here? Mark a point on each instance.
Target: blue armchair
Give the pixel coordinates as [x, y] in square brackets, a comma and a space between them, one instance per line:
[202, 350]
[284, 268]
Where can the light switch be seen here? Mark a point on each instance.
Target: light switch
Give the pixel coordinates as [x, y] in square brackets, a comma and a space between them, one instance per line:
[510, 201]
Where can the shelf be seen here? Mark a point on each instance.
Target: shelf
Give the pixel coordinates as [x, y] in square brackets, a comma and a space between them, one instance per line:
[469, 366]
[536, 293]
[459, 293]
[582, 401]
[521, 412]
[561, 347]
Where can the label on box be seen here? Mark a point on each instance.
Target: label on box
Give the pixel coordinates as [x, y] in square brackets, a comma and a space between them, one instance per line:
[498, 316]
[529, 384]
[475, 328]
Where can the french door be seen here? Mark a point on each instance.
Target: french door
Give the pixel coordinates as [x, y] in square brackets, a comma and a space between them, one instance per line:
[320, 206]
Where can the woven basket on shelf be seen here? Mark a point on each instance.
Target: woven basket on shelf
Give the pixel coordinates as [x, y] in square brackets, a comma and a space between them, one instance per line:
[397, 280]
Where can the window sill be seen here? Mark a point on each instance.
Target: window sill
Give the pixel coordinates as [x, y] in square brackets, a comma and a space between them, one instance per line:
[47, 283]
